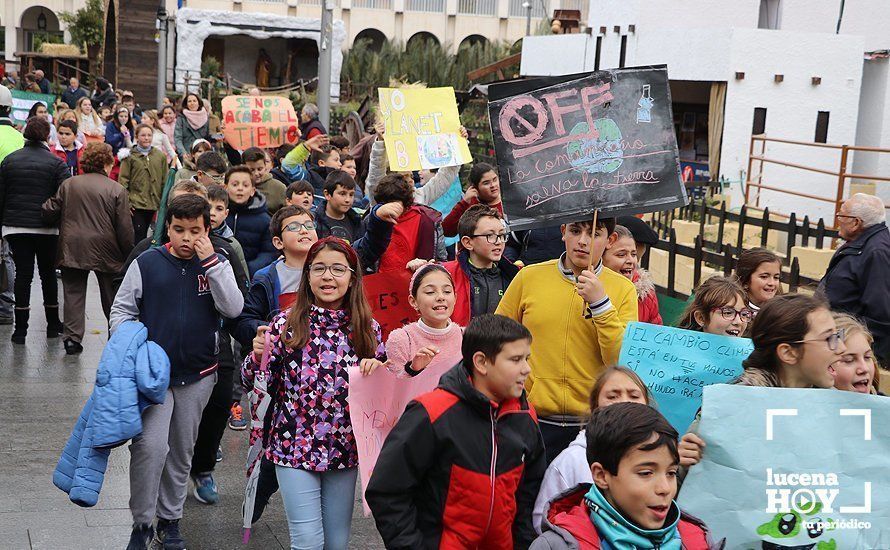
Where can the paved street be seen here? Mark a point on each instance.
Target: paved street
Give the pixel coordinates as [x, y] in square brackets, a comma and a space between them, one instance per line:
[41, 393]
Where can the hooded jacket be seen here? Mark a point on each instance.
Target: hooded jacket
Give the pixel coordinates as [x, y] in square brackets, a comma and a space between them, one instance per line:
[458, 471]
[567, 471]
[324, 224]
[567, 525]
[60, 152]
[143, 177]
[648, 299]
[250, 224]
[10, 138]
[133, 374]
[463, 284]
[417, 234]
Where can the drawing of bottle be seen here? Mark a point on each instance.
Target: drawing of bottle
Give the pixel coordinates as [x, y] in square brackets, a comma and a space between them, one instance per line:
[644, 111]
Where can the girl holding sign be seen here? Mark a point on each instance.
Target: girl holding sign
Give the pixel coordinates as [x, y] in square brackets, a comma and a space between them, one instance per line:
[797, 344]
[311, 346]
[434, 340]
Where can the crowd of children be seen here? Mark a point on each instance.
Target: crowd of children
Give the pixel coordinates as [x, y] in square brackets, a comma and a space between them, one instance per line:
[247, 268]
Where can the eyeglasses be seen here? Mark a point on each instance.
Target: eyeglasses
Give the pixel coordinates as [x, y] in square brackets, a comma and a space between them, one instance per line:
[215, 179]
[294, 227]
[846, 216]
[337, 270]
[493, 239]
[729, 313]
[832, 339]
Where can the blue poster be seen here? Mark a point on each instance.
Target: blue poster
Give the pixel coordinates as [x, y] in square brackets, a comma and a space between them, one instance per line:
[676, 364]
[446, 202]
[793, 469]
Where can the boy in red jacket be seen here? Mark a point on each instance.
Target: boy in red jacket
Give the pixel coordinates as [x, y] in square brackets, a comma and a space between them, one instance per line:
[632, 452]
[463, 465]
[480, 272]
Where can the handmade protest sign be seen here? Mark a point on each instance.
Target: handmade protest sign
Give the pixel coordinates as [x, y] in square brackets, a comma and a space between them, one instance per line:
[259, 121]
[446, 203]
[676, 364]
[23, 101]
[792, 468]
[422, 128]
[375, 404]
[388, 295]
[603, 142]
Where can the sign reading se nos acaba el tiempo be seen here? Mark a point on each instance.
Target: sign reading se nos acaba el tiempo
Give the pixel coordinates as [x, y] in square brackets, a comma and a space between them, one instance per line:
[600, 142]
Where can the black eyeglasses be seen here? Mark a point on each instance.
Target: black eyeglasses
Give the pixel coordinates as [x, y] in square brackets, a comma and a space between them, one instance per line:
[493, 239]
[832, 339]
[294, 227]
[337, 270]
[729, 313]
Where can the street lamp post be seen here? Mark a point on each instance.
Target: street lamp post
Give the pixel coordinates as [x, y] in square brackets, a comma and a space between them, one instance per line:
[161, 25]
[324, 63]
[528, 17]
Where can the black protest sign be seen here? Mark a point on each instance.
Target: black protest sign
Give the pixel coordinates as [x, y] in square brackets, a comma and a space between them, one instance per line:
[603, 142]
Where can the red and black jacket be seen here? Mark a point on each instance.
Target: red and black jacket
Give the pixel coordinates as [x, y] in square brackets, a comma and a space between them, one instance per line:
[458, 471]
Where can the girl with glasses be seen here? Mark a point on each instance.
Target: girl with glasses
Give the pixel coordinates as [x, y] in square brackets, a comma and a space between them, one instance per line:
[797, 344]
[311, 345]
[719, 307]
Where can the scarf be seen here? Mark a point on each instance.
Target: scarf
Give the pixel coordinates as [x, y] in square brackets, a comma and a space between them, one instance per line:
[196, 119]
[145, 151]
[621, 534]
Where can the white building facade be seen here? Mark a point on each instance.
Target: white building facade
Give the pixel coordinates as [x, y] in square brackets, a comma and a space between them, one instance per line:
[786, 71]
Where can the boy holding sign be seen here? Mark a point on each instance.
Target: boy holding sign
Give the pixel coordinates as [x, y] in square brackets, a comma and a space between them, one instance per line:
[577, 316]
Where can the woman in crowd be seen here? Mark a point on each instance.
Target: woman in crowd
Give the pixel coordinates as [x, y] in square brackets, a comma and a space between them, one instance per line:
[95, 234]
[167, 122]
[193, 123]
[28, 177]
[719, 307]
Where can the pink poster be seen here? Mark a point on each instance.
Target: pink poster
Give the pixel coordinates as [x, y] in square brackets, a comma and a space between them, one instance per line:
[375, 404]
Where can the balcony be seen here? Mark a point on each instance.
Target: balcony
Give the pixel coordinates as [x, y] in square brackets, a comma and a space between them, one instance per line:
[477, 7]
[540, 8]
[373, 4]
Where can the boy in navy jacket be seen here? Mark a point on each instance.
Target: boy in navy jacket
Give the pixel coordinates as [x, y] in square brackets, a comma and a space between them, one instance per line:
[180, 292]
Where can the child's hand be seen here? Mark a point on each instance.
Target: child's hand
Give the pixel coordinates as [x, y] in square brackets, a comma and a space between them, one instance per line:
[590, 287]
[471, 193]
[416, 264]
[463, 133]
[259, 342]
[380, 128]
[423, 358]
[317, 142]
[367, 366]
[390, 212]
[203, 247]
[690, 448]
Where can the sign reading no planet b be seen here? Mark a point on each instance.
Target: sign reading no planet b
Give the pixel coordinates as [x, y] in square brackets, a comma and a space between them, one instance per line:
[422, 128]
[259, 121]
[602, 142]
[677, 364]
[802, 469]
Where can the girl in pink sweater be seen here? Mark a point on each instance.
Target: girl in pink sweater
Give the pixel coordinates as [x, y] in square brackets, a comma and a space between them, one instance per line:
[433, 341]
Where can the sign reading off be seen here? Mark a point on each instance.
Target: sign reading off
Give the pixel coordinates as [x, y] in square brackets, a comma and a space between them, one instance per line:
[604, 141]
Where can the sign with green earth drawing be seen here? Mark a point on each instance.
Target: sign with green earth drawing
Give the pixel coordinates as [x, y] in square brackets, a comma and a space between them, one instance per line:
[792, 469]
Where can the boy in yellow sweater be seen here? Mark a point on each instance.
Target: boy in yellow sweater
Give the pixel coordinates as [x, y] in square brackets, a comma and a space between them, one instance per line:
[577, 319]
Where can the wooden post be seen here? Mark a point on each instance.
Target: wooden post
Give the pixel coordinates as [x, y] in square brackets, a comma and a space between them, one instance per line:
[592, 236]
[697, 261]
[765, 229]
[792, 236]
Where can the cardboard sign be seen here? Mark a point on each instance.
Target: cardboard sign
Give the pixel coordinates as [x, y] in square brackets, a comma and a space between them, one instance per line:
[375, 404]
[388, 295]
[23, 101]
[422, 128]
[259, 121]
[677, 364]
[792, 468]
[446, 203]
[604, 141]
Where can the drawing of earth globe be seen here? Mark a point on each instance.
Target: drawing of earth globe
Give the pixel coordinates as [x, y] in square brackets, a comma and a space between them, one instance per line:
[596, 155]
[437, 149]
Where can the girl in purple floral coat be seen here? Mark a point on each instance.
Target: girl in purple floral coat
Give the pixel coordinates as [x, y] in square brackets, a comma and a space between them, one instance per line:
[328, 329]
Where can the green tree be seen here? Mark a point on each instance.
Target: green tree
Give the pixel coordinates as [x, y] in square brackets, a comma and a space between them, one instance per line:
[86, 24]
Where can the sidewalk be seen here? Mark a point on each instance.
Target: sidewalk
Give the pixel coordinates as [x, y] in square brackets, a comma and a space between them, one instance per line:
[42, 391]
